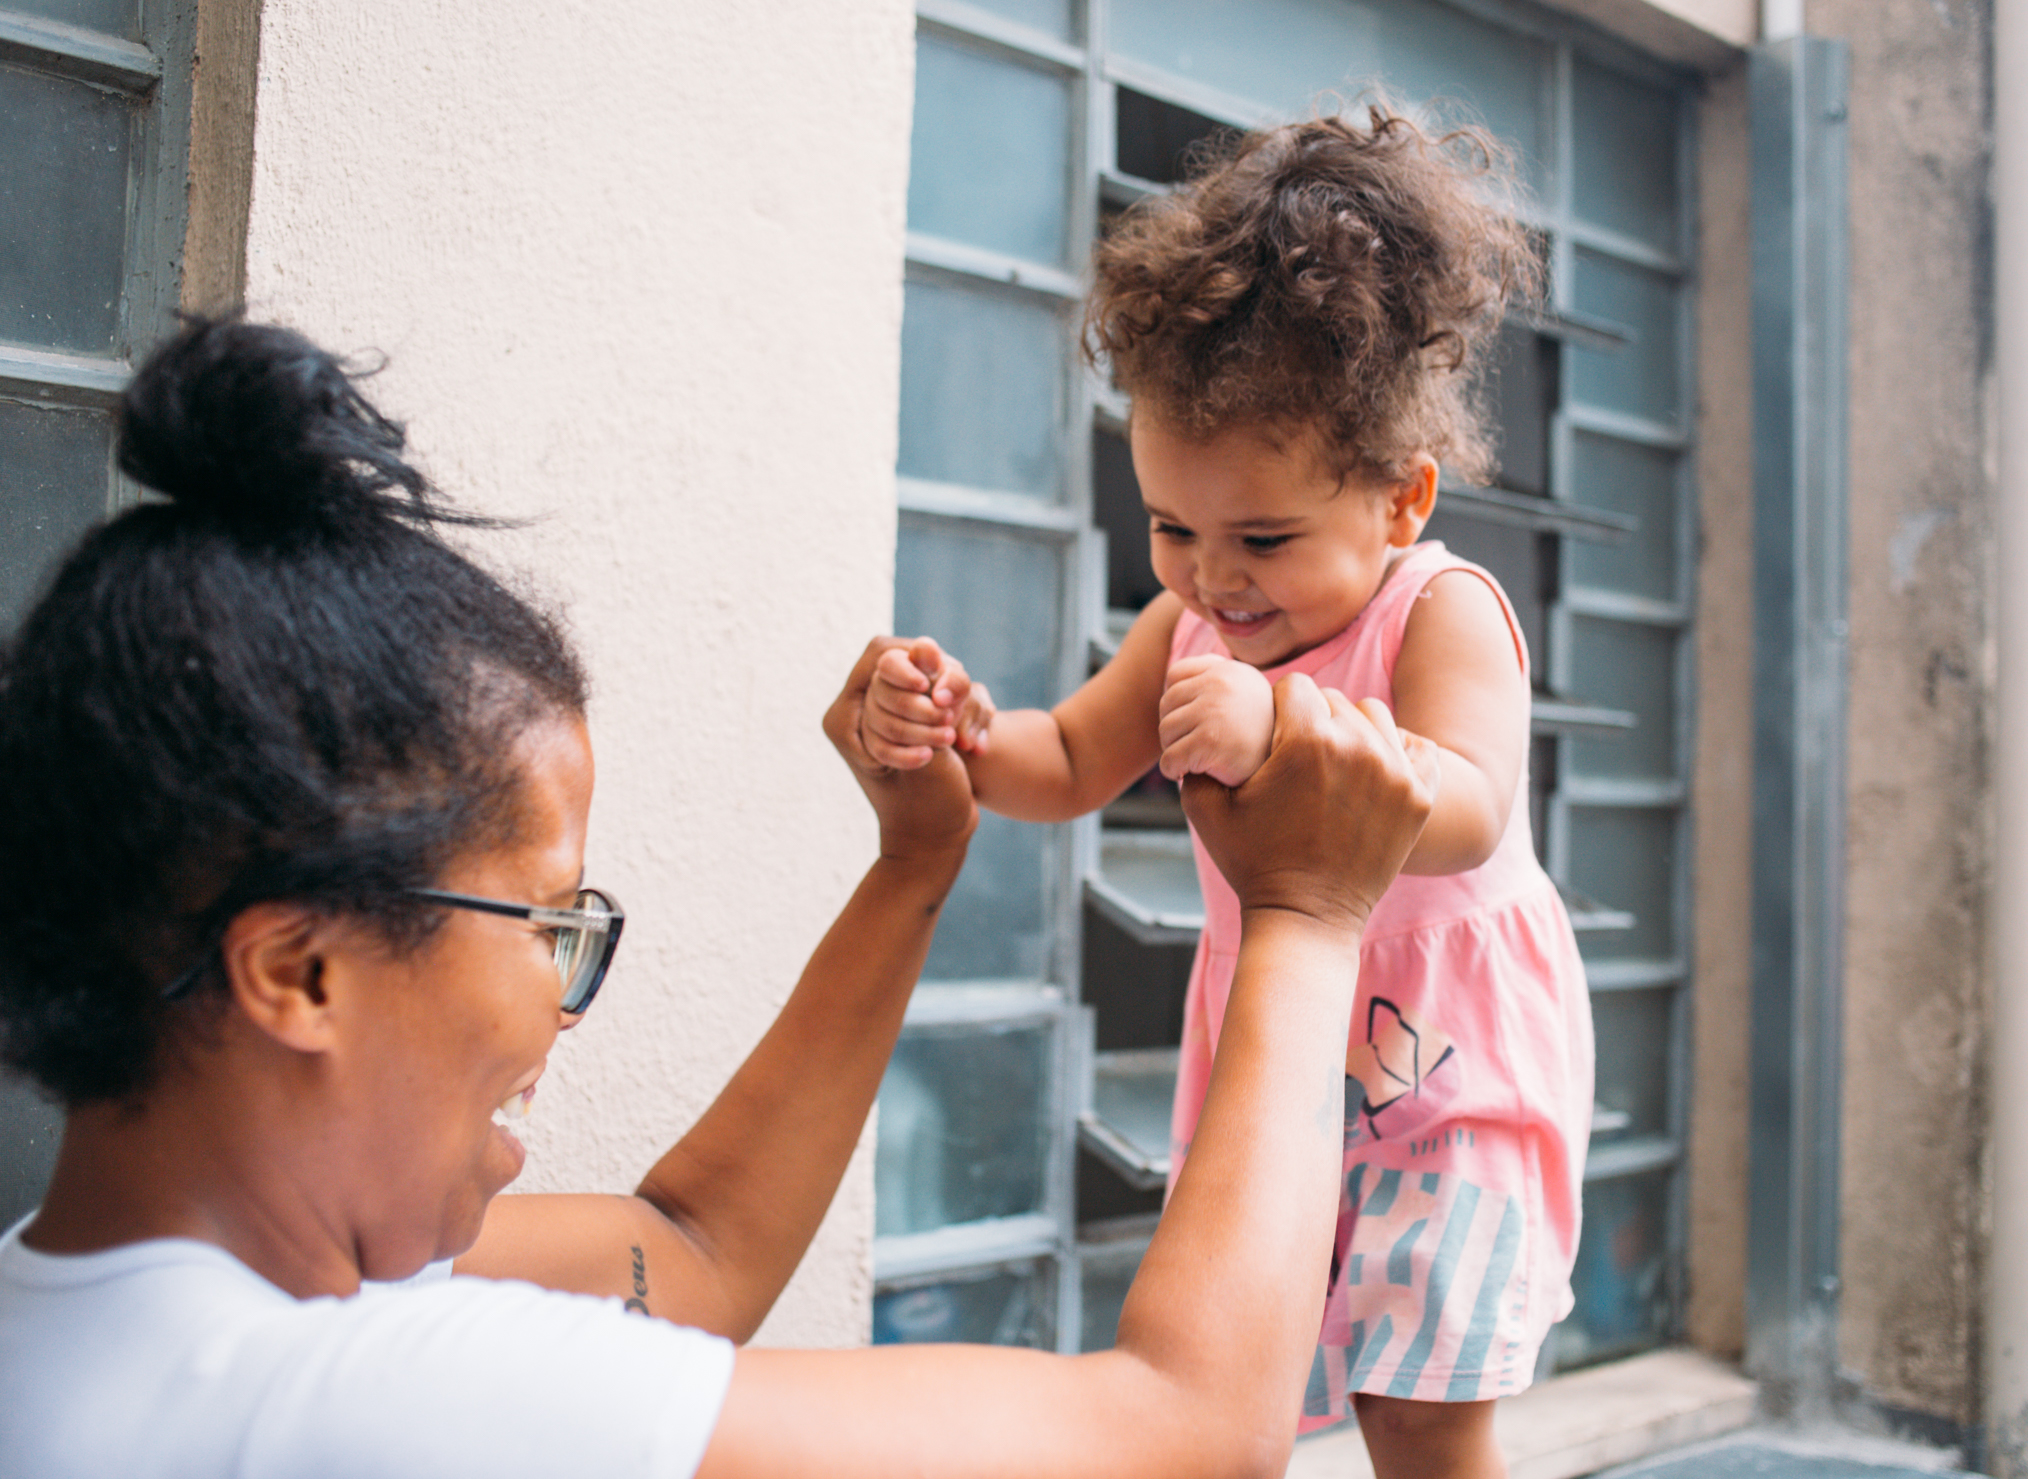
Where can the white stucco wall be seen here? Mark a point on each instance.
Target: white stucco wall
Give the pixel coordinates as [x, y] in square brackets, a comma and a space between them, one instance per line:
[637, 269]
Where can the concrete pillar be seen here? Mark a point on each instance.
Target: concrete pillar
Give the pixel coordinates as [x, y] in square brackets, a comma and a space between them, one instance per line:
[2006, 1410]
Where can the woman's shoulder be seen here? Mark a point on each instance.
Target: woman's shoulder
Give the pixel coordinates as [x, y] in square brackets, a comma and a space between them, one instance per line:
[482, 1374]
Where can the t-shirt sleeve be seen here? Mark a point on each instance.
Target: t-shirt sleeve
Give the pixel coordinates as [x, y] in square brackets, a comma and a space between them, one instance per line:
[472, 1377]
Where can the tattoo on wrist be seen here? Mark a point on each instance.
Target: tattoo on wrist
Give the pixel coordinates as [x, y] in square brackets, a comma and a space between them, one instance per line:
[638, 1303]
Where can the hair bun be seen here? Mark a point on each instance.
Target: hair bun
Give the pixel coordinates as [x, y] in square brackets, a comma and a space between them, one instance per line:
[255, 424]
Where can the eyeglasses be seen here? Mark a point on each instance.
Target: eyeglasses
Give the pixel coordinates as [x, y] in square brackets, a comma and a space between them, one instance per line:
[586, 935]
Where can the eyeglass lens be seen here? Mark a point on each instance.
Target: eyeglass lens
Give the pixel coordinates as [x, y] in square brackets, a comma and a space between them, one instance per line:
[579, 953]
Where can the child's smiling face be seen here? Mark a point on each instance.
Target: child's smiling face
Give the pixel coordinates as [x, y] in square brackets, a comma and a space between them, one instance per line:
[1266, 542]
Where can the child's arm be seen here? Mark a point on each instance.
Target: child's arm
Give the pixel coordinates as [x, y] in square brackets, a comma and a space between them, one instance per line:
[1458, 682]
[1031, 764]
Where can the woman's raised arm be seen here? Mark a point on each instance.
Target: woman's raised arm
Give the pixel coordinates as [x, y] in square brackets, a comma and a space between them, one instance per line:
[720, 1222]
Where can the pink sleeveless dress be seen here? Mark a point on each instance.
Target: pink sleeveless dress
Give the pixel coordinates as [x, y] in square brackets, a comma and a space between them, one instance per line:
[1468, 1084]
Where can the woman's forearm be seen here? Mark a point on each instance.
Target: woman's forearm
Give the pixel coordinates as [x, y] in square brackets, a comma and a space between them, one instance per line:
[1215, 1339]
[751, 1180]
[1258, 1193]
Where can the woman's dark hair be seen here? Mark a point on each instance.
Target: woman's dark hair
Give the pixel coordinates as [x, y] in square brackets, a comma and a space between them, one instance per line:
[282, 683]
[1322, 274]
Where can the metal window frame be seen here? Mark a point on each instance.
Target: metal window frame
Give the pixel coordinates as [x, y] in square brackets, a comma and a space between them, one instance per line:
[1675, 972]
[157, 72]
[1798, 91]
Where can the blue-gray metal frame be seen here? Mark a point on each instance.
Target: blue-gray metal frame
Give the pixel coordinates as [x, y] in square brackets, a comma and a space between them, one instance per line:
[1798, 90]
[158, 71]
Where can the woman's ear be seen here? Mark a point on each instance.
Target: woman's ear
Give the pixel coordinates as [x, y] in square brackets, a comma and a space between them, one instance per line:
[274, 965]
[1411, 501]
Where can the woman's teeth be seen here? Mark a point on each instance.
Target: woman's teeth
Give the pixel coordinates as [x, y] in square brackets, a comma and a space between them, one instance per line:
[515, 1106]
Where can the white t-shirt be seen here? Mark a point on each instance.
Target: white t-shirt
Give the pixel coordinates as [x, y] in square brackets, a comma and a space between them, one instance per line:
[172, 1358]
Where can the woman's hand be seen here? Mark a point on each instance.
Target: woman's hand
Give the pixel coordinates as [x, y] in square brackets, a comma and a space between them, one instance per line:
[1217, 719]
[1324, 824]
[925, 806]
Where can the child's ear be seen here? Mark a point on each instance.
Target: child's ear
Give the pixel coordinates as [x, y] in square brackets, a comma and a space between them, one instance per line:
[1411, 501]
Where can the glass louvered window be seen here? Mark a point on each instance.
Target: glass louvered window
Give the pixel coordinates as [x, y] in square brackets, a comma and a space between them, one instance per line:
[96, 98]
[1023, 1133]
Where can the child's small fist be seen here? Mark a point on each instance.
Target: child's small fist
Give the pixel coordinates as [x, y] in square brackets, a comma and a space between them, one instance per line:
[1217, 719]
[921, 700]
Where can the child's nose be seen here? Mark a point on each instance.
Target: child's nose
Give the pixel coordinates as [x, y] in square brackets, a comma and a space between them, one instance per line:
[1221, 573]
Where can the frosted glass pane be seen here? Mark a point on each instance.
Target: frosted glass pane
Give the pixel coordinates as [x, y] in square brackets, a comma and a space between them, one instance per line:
[982, 383]
[54, 474]
[63, 212]
[1052, 16]
[964, 1126]
[1010, 1306]
[1625, 857]
[1641, 378]
[30, 1129]
[1623, 139]
[1625, 665]
[120, 17]
[1108, 1271]
[1624, 477]
[1632, 1029]
[1284, 54]
[990, 159]
[992, 597]
[1621, 1280]
[994, 600]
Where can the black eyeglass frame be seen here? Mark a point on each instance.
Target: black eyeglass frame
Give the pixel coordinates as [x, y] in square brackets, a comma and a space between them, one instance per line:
[606, 921]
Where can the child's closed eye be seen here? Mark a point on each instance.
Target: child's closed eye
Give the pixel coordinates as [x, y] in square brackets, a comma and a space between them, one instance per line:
[1261, 544]
[1166, 530]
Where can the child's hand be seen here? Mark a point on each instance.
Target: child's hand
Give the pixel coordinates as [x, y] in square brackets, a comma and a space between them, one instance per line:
[1217, 719]
[922, 700]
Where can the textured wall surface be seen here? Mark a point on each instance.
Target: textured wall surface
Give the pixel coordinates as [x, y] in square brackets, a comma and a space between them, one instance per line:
[1714, 1311]
[1921, 707]
[637, 271]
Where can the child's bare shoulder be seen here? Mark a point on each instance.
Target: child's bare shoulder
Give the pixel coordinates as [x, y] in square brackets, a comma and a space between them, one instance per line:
[1459, 617]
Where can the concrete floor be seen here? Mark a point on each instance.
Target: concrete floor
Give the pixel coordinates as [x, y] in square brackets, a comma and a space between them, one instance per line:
[1761, 1453]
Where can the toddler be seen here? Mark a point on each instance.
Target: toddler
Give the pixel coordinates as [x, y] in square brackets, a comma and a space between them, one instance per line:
[1297, 329]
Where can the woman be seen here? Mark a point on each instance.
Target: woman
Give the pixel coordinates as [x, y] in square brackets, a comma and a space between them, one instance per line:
[291, 882]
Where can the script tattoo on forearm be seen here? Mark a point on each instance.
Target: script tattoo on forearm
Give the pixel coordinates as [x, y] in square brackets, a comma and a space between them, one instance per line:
[638, 1302]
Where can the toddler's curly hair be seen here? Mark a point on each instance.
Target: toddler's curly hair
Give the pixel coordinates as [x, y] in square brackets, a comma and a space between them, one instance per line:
[1322, 274]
